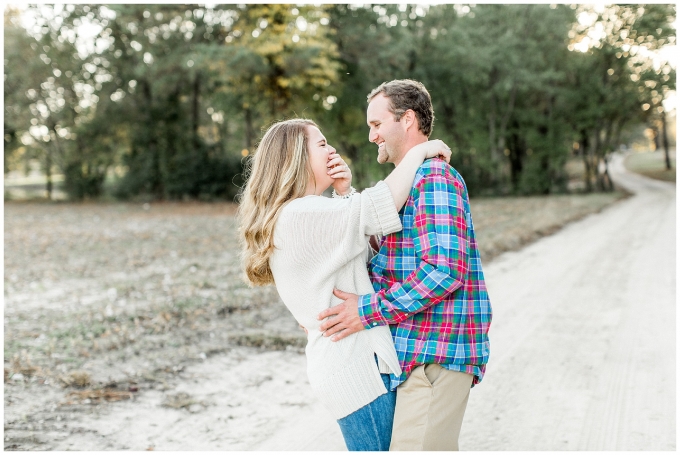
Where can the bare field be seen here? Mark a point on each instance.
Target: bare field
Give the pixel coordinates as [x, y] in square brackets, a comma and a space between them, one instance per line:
[652, 164]
[108, 302]
[505, 224]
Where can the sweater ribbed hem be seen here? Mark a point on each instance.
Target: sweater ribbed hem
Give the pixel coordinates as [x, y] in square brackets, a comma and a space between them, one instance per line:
[381, 342]
[332, 390]
[353, 380]
[383, 368]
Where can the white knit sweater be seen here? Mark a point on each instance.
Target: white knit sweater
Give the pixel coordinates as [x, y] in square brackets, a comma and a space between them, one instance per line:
[321, 243]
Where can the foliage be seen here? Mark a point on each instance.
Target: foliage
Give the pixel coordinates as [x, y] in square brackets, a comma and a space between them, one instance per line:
[617, 74]
[170, 98]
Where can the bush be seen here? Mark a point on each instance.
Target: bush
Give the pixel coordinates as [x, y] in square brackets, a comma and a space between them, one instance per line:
[189, 175]
[83, 180]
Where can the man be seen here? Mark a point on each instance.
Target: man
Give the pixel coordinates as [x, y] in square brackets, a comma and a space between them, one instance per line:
[428, 282]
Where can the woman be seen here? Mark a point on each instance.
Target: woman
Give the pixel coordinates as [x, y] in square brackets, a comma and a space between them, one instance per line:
[308, 245]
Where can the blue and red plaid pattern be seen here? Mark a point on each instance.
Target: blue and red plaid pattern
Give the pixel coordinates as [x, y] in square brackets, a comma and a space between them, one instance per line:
[429, 282]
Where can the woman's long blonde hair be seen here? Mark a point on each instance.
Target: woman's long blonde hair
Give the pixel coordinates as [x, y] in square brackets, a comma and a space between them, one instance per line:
[278, 172]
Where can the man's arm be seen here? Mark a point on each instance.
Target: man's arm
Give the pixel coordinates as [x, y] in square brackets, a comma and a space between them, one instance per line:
[441, 243]
[440, 239]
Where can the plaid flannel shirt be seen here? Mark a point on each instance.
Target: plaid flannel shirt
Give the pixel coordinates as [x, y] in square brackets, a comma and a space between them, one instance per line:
[428, 280]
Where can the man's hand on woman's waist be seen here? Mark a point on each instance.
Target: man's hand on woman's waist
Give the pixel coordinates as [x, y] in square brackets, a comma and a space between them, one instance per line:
[346, 320]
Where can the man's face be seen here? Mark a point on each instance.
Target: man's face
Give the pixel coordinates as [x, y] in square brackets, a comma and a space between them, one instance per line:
[385, 132]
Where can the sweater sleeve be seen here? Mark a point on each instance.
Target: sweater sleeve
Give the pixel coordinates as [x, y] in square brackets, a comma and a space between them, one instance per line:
[371, 212]
[375, 211]
[337, 229]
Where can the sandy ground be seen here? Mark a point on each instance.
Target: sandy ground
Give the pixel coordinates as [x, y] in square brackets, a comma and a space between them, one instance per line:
[242, 398]
[583, 358]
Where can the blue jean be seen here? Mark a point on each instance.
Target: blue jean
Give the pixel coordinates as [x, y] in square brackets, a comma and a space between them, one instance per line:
[370, 428]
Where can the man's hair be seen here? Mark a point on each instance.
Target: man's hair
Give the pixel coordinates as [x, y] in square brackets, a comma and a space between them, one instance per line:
[405, 94]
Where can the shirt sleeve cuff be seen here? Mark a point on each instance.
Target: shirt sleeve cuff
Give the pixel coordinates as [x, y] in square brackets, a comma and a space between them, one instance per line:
[368, 311]
[386, 212]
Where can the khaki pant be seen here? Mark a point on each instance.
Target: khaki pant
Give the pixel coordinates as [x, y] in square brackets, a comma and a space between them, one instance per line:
[430, 408]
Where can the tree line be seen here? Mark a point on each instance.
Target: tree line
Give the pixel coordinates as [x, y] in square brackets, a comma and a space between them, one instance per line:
[169, 100]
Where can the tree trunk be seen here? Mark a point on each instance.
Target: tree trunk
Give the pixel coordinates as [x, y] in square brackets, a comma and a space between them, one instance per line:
[655, 130]
[596, 156]
[224, 140]
[518, 149]
[49, 158]
[608, 185]
[195, 109]
[493, 151]
[48, 173]
[492, 134]
[603, 178]
[664, 140]
[546, 132]
[506, 118]
[584, 150]
[157, 183]
[249, 128]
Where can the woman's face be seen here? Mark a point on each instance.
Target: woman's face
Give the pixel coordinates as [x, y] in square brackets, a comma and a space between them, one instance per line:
[319, 150]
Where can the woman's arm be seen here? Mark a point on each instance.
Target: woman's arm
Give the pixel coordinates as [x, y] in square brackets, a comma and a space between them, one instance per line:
[401, 178]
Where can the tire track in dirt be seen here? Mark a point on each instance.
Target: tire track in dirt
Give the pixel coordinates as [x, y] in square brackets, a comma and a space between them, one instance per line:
[622, 402]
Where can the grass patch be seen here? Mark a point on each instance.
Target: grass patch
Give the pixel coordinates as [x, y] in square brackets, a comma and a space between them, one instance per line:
[651, 164]
[508, 223]
[265, 340]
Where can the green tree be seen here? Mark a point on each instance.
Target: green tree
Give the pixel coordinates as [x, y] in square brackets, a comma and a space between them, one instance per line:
[610, 77]
[496, 87]
[273, 60]
[44, 93]
[172, 97]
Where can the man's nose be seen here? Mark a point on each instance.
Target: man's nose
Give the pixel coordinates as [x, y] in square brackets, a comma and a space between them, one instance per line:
[372, 135]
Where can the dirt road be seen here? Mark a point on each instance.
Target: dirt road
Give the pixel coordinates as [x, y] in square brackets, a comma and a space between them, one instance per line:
[583, 337]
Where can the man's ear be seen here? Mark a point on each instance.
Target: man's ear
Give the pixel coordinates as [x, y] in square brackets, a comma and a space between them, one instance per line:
[409, 119]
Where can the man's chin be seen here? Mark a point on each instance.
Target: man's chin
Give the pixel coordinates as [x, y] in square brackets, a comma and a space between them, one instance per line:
[382, 156]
